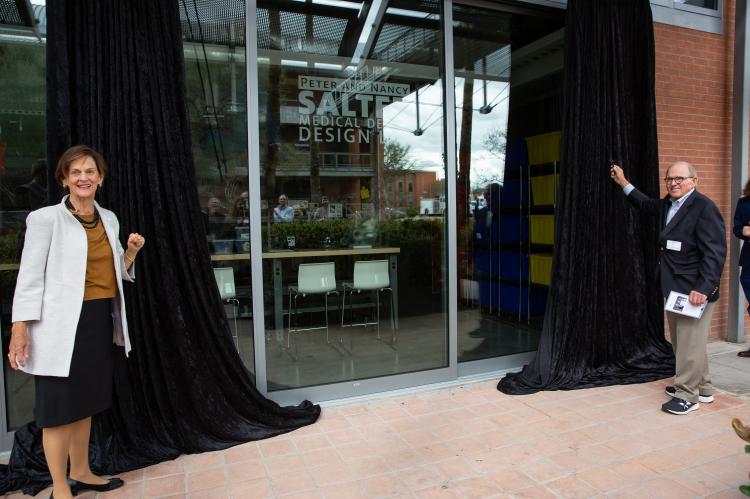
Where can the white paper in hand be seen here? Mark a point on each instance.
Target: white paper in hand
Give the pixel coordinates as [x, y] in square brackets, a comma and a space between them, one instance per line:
[679, 303]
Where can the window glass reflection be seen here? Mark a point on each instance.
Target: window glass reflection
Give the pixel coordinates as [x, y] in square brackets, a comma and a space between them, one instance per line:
[508, 80]
[215, 73]
[23, 187]
[351, 130]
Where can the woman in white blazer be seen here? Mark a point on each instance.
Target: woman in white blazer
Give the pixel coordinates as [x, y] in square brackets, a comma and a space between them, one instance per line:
[68, 313]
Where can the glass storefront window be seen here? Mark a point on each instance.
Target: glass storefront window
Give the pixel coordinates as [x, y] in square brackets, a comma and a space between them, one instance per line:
[508, 70]
[215, 74]
[352, 174]
[351, 133]
[23, 188]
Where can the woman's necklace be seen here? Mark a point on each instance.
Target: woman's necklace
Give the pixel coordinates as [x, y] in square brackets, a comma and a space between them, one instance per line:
[86, 224]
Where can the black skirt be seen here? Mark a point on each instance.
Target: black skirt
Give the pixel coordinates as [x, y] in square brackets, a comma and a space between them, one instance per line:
[88, 388]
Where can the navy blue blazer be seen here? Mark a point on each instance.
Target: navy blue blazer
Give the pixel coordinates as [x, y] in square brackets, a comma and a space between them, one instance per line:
[699, 231]
[742, 218]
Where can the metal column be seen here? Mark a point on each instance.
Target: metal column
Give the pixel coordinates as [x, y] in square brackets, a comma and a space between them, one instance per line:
[449, 83]
[740, 130]
[256, 214]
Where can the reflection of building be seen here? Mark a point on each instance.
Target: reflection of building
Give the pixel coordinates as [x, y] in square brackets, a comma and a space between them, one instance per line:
[404, 190]
[330, 129]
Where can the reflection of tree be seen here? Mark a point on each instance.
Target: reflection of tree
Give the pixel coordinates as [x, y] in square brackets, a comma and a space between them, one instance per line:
[314, 172]
[273, 110]
[495, 142]
[314, 148]
[464, 175]
[481, 179]
[464, 155]
[437, 188]
[397, 158]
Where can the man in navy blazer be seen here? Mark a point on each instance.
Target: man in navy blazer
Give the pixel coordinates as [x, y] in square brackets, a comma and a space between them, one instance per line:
[692, 249]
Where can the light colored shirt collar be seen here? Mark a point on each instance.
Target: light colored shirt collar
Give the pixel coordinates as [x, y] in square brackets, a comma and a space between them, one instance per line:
[678, 202]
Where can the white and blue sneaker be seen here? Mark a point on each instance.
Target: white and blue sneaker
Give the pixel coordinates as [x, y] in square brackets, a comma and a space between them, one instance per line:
[679, 406]
[703, 399]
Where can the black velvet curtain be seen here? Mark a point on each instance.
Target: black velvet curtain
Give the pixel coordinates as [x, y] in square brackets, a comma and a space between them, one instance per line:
[604, 320]
[115, 78]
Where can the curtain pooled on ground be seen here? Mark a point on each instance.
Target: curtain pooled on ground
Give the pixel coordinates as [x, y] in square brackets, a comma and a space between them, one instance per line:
[116, 81]
[604, 321]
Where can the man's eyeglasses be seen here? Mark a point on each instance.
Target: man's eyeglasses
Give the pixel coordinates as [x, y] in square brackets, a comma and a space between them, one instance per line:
[676, 180]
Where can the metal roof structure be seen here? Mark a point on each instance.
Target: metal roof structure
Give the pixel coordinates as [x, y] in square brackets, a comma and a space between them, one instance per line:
[209, 21]
[406, 31]
[20, 17]
[409, 30]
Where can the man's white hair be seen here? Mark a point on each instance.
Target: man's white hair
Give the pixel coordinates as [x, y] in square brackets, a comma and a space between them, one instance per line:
[691, 168]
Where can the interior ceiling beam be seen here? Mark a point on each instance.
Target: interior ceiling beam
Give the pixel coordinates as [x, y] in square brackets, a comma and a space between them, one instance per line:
[306, 8]
[372, 25]
[353, 32]
[540, 11]
[412, 22]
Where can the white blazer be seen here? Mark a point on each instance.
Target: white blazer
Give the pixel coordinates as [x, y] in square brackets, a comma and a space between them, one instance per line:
[50, 285]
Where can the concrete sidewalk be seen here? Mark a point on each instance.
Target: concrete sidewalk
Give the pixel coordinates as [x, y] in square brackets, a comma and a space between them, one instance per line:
[472, 441]
[730, 373]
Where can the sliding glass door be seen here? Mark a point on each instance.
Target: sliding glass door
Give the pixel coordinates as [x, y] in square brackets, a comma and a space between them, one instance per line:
[508, 78]
[352, 194]
[356, 168]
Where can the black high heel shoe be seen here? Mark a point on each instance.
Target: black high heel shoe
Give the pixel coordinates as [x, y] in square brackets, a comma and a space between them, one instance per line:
[112, 484]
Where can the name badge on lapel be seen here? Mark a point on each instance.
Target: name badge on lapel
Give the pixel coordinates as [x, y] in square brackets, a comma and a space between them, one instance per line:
[674, 245]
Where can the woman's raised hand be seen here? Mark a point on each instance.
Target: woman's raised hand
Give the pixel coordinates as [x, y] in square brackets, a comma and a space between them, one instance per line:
[135, 242]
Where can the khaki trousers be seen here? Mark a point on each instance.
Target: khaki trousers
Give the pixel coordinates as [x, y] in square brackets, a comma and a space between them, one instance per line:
[689, 338]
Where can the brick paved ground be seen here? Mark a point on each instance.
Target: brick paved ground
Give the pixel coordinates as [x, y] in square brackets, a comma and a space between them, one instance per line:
[473, 441]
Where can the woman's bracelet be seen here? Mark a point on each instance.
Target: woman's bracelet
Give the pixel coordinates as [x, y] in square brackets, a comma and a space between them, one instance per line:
[129, 258]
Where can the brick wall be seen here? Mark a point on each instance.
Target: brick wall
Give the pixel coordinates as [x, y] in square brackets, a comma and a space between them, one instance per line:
[424, 184]
[694, 114]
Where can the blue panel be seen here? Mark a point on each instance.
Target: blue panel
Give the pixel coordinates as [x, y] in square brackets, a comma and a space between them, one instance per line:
[538, 300]
[483, 261]
[513, 299]
[515, 193]
[516, 154]
[488, 293]
[514, 265]
[514, 228]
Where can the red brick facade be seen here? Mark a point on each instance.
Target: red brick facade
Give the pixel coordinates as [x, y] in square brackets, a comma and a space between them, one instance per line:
[694, 114]
[406, 190]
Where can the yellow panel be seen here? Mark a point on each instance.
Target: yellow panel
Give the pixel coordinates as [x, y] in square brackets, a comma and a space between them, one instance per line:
[543, 148]
[540, 267]
[542, 229]
[543, 190]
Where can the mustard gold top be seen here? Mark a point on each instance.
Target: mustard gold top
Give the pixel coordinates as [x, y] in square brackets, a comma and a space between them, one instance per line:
[100, 270]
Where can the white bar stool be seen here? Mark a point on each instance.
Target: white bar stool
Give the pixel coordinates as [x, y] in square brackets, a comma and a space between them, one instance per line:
[369, 275]
[312, 279]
